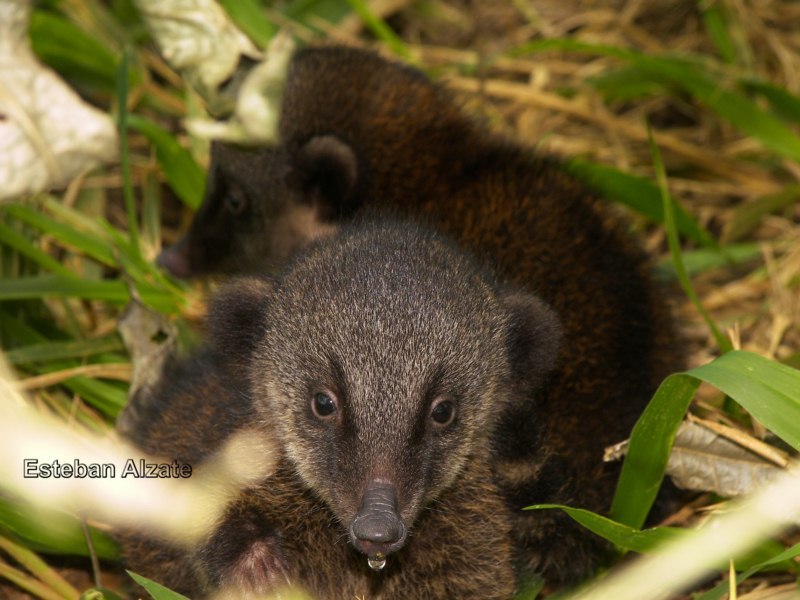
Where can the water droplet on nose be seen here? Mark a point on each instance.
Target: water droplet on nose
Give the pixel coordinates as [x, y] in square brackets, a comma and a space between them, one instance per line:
[377, 562]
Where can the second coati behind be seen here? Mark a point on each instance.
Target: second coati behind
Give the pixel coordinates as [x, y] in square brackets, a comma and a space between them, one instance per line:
[363, 135]
[380, 362]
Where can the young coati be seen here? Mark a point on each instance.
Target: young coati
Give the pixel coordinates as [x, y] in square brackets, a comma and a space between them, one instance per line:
[360, 135]
[380, 362]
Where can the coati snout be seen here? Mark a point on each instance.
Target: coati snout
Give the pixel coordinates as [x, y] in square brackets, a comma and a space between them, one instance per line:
[382, 360]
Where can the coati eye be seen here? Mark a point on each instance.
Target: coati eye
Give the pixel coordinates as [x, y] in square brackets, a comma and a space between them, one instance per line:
[443, 412]
[323, 405]
[235, 200]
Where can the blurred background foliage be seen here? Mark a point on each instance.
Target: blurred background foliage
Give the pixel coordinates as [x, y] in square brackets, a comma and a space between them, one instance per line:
[717, 81]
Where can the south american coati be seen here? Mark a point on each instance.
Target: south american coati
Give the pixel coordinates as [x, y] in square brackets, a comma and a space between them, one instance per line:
[380, 361]
[359, 135]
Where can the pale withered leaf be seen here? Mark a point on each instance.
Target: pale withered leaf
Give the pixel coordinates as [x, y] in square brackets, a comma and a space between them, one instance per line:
[48, 135]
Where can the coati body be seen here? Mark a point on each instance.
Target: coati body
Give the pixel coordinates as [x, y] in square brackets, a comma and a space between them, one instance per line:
[360, 135]
[381, 362]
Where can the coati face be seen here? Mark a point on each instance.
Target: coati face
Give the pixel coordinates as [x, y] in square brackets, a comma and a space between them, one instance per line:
[262, 205]
[383, 359]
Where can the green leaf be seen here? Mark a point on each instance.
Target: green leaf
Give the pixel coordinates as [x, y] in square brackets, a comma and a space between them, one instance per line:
[156, 590]
[183, 174]
[638, 193]
[767, 389]
[250, 18]
[49, 530]
[648, 450]
[620, 535]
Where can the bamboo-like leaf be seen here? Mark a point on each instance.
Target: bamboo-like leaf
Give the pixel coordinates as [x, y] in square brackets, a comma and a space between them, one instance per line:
[622, 536]
[768, 390]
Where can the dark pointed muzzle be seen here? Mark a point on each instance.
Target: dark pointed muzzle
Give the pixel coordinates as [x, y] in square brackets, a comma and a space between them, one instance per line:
[377, 528]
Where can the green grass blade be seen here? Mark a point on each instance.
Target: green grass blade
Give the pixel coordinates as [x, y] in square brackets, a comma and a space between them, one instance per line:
[694, 77]
[35, 565]
[71, 51]
[156, 590]
[721, 589]
[250, 18]
[57, 286]
[183, 174]
[81, 241]
[48, 530]
[704, 259]
[21, 244]
[748, 216]
[380, 29]
[723, 342]
[785, 104]
[124, 158]
[61, 350]
[639, 194]
[622, 536]
[717, 30]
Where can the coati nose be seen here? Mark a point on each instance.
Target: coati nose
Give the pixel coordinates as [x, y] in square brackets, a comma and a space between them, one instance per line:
[175, 259]
[377, 528]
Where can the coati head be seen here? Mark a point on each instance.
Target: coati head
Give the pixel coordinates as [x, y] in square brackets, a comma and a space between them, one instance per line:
[381, 360]
[260, 206]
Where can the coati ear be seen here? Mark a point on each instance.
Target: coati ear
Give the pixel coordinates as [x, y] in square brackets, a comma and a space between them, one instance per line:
[236, 316]
[327, 170]
[533, 337]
